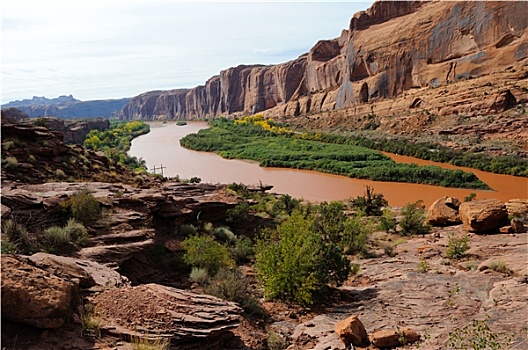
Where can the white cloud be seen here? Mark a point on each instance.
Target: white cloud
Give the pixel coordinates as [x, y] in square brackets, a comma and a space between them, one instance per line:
[114, 49]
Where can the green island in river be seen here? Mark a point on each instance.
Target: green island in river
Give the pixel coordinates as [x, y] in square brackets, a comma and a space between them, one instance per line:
[272, 145]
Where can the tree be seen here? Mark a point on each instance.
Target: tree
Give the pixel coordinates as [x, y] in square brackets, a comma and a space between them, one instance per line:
[371, 203]
[295, 264]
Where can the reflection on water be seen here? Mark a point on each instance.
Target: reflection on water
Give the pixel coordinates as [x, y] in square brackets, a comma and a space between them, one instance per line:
[161, 147]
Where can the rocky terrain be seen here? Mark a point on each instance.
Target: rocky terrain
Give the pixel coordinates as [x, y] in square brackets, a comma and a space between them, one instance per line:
[127, 281]
[68, 107]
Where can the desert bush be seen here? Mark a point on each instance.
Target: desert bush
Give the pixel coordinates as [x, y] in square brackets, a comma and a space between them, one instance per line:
[17, 234]
[355, 235]
[11, 162]
[199, 275]
[91, 323]
[285, 203]
[57, 239]
[370, 203]
[225, 234]
[387, 221]
[470, 197]
[59, 174]
[457, 246]
[229, 284]
[205, 252]
[413, 220]
[84, 207]
[145, 343]
[77, 233]
[238, 214]
[499, 266]
[388, 249]
[295, 264]
[276, 341]
[423, 266]
[187, 230]
[243, 249]
[477, 336]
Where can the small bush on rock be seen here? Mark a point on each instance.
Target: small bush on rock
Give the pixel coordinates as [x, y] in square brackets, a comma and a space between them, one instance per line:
[205, 252]
[84, 207]
[413, 220]
[457, 246]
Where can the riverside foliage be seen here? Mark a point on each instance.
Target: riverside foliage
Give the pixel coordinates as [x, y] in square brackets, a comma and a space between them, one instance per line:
[272, 145]
[115, 142]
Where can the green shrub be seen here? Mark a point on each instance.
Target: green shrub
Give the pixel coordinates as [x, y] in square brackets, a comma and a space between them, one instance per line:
[477, 336]
[59, 174]
[199, 275]
[370, 203]
[388, 249]
[229, 284]
[223, 233]
[355, 235]
[77, 233]
[423, 266]
[286, 204]
[243, 249]
[387, 221]
[187, 230]
[11, 162]
[413, 221]
[295, 264]
[457, 246]
[7, 247]
[205, 252]
[84, 207]
[276, 341]
[58, 239]
[470, 197]
[238, 214]
[195, 180]
[499, 266]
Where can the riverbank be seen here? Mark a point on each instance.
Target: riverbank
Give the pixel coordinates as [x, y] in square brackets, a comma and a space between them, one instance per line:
[309, 185]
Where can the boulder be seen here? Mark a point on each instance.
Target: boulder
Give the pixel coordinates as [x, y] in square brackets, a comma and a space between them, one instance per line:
[517, 226]
[390, 338]
[166, 312]
[444, 212]
[34, 296]
[485, 215]
[352, 331]
[88, 273]
[518, 208]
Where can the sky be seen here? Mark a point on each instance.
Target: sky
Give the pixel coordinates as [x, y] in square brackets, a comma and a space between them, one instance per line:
[106, 49]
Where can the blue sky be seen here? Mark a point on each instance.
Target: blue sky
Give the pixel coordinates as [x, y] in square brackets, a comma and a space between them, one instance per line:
[112, 49]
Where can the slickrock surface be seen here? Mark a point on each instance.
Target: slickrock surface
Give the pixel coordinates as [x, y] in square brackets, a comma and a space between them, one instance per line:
[166, 312]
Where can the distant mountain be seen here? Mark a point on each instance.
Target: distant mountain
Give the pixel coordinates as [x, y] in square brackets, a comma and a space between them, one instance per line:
[67, 107]
[41, 101]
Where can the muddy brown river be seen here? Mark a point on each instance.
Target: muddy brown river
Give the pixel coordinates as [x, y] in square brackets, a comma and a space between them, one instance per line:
[161, 147]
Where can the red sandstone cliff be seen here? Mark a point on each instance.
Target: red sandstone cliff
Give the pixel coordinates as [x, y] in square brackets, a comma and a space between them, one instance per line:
[390, 48]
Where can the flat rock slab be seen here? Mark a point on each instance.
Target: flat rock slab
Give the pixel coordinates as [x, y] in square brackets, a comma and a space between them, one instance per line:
[160, 311]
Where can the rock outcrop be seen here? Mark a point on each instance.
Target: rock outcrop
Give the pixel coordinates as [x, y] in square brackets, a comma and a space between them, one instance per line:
[34, 154]
[72, 131]
[444, 212]
[391, 338]
[351, 331]
[35, 297]
[390, 48]
[486, 215]
[164, 312]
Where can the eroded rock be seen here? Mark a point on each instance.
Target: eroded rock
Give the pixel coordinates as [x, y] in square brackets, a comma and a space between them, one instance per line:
[352, 331]
[34, 296]
[166, 312]
[390, 338]
[444, 212]
[482, 216]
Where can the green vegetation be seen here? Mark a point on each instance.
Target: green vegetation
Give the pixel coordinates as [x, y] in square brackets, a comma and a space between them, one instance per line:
[84, 207]
[295, 263]
[181, 123]
[204, 252]
[477, 336]
[413, 220]
[371, 203]
[115, 142]
[457, 246]
[273, 145]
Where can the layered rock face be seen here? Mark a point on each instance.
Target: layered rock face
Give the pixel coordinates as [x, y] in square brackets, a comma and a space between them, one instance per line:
[392, 47]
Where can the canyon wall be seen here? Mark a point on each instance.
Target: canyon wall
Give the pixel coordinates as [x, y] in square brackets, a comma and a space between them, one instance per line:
[391, 48]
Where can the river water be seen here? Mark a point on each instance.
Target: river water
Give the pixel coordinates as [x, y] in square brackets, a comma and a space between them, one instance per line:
[161, 147]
